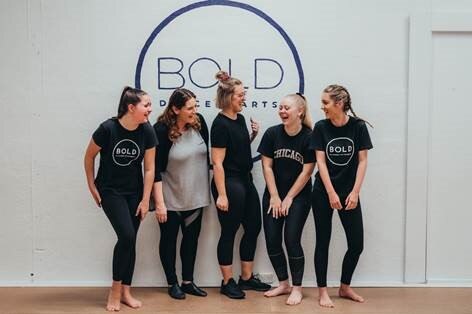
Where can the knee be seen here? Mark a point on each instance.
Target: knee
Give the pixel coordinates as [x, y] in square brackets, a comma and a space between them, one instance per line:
[127, 239]
[273, 246]
[356, 248]
[294, 248]
[228, 234]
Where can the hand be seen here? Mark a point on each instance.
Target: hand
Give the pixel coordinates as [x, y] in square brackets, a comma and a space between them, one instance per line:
[142, 209]
[352, 200]
[222, 203]
[254, 128]
[161, 213]
[334, 201]
[287, 202]
[95, 194]
[274, 206]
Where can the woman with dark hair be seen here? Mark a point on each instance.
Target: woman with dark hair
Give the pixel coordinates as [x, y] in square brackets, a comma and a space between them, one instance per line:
[181, 187]
[288, 164]
[123, 142]
[233, 190]
[341, 143]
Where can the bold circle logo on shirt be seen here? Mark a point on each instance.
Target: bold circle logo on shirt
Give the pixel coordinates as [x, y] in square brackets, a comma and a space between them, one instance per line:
[340, 151]
[125, 152]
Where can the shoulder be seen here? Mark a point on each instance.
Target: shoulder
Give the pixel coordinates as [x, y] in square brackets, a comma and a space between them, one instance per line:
[275, 128]
[160, 127]
[358, 123]
[240, 118]
[147, 127]
[202, 121]
[322, 123]
[219, 121]
[306, 131]
[109, 123]
[271, 131]
[201, 118]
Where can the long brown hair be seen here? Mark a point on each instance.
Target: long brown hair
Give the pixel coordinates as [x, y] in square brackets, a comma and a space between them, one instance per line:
[339, 93]
[178, 99]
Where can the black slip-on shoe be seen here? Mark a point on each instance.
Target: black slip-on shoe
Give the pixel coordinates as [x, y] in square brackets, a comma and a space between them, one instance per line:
[253, 283]
[175, 292]
[191, 288]
[232, 290]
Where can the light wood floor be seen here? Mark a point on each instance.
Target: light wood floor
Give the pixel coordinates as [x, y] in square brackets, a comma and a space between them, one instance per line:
[156, 300]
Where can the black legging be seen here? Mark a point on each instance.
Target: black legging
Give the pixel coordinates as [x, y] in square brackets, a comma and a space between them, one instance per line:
[294, 223]
[190, 222]
[245, 209]
[121, 211]
[353, 228]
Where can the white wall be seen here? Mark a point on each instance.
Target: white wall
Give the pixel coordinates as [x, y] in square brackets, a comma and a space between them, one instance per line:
[63, 65]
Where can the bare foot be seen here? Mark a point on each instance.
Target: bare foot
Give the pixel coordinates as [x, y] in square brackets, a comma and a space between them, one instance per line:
[283, 288]
[324, 299]
[346, 292]
[113, 302]
[295, 296]
[128, 299]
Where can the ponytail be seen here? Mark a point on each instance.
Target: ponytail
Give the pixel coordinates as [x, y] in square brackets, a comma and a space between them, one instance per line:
[129, 96]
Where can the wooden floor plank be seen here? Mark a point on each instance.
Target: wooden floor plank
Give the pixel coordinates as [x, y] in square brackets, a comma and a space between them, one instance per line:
[155, 300]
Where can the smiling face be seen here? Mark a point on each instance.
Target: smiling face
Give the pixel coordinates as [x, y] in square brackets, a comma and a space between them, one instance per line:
[238, 98]
[330, 107]
[187, 113]
[141, 110]
[289, 112]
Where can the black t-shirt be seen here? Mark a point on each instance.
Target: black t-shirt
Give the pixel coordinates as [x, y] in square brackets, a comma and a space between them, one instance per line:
[121, 155]
[289, 153]
[234, 136]
[341, 146]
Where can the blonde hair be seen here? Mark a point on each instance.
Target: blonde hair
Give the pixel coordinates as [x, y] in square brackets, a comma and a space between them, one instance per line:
[339, 93]
[225, 90]
[300, 100]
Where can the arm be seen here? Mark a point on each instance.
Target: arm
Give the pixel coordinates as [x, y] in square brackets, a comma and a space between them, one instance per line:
[297, 186]
[324, 174]
[161, 209]
[89, 165]
[269, 177]
[218, 155]
[143, 206]
[353, 197]
[254, 129]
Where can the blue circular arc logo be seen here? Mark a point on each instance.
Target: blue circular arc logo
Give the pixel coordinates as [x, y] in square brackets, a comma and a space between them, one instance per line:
[201, 4]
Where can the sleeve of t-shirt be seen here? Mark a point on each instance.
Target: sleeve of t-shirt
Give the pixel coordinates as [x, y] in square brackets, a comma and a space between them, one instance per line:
[150, 139]
[308, 153]
[101, 136]
[219, 135]
[364, 137]
[266, 146]
[316, 141]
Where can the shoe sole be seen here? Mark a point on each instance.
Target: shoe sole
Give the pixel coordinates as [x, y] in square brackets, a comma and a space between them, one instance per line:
[233, 297]
[255, 289]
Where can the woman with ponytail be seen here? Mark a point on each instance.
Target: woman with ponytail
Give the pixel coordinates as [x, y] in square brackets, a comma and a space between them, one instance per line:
[123, 142]
[232, 187]
[341, 143]
[182, 175]
[287, 164]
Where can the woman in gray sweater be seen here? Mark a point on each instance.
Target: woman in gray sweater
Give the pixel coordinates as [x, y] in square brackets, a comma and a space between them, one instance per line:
[181, 166]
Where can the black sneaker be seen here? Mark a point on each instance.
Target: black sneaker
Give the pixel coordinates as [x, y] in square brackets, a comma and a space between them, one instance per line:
[232, 290]
[253, 283]
[191, 288]
[175, 292]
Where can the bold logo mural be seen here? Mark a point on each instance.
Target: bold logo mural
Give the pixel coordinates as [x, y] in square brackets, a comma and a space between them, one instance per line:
[189, 46]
